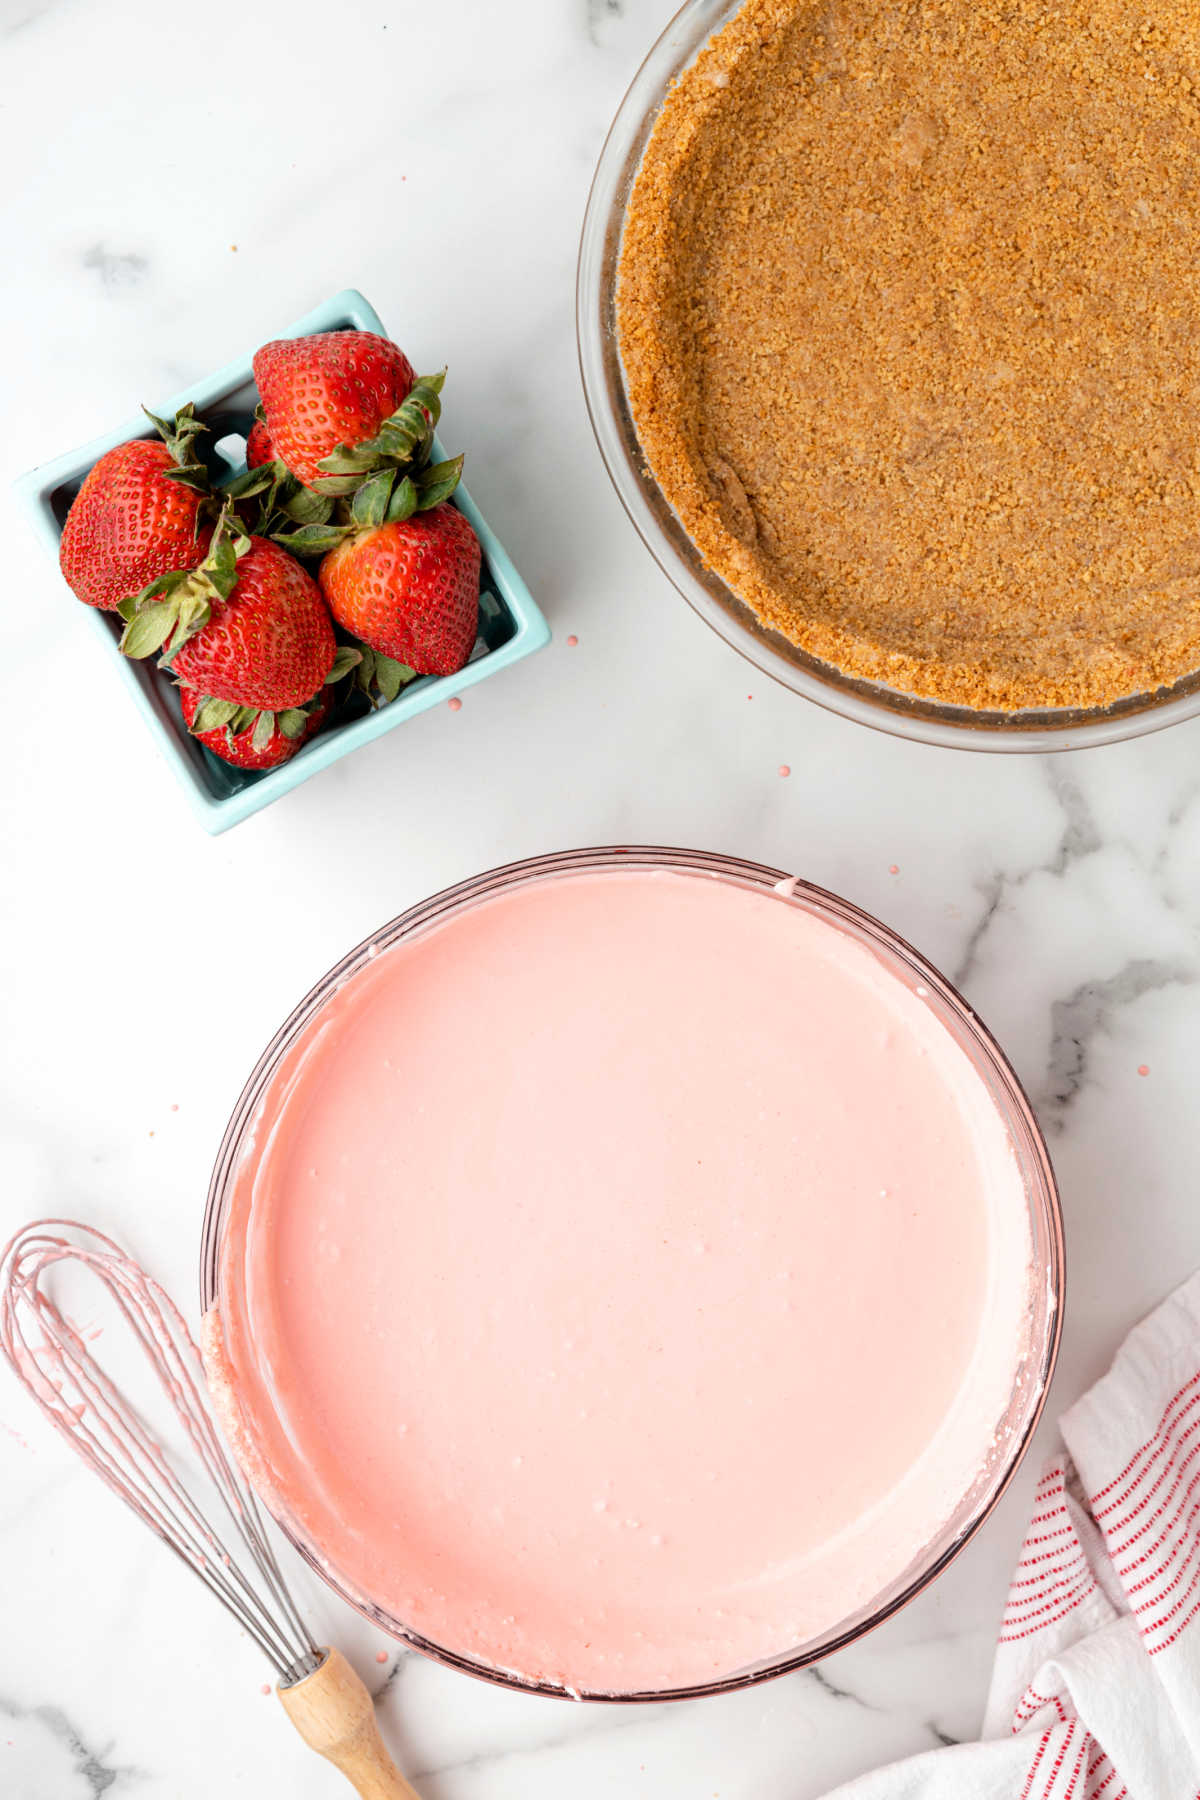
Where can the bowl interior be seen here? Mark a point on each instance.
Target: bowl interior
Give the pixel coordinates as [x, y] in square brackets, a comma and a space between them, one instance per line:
[866, 702]
[1045, 1225]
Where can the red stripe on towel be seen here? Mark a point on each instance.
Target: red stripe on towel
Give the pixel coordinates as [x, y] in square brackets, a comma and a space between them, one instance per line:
[1032, 1702]
[1175, 1468]
[1057, 1764]
[1150, 1517]
[1033, 1769]
[1141, 1451]
[1079, 1760]
[1011, 1637]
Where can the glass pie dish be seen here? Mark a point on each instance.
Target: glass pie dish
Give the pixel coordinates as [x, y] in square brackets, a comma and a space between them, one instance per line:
[1012, 1430]
[866, 702]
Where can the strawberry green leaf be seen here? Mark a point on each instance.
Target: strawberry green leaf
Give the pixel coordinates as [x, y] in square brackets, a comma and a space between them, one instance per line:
[391, 676]
[398, 436]
[194, 608]
[394, 443]
[191, 475]
[221, 567]
[370, 504]
[438, 483]
[404, 502]
[177, 434]
[179, 638]
[424, 450]
[380, 677]
[311, 540]
[337, 484]
[292, 721]
[412, 420]
[264, 730]
[211, 714]
[148, 630]
[192, 612]
[427, 390]
[344, 660]
[250, 481]
[305, 507]
[217, 574]
[403, 441]
[158, 589]
[165, 428]
[348, 459]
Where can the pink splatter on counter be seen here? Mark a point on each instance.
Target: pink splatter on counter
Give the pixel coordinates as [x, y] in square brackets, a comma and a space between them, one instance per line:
[622, 1279]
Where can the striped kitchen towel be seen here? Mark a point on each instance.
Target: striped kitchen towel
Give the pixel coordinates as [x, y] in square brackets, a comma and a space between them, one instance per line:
[1096, 1686]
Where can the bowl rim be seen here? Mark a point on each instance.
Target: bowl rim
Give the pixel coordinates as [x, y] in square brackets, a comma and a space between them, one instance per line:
[1042, 1195]
[863, 702]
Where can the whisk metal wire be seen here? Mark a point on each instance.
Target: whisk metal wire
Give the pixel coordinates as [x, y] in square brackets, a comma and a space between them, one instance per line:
[53, 1360]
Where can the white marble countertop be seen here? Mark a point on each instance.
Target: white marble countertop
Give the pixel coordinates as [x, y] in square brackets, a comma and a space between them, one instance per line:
[440, 161]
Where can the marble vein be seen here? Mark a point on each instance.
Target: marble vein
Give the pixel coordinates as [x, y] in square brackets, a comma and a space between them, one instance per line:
[836, 1692]
[1077, 1019]
[393, 1675]
[598, 13]
[93, 1765]
[11, 28]
[115, 269]
[1079, 837]
[828, 1686]
[1080, 834]
[992, 891]
[1089, 1007]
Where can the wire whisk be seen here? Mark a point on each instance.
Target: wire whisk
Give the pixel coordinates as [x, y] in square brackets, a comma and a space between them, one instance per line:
[55, 1362]
[228, 1549]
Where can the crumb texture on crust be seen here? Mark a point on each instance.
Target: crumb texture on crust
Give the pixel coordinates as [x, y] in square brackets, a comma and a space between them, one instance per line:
[907, 307]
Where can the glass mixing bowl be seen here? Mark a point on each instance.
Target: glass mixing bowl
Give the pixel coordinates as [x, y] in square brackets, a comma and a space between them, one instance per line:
[1013, 1431]
[868, 703]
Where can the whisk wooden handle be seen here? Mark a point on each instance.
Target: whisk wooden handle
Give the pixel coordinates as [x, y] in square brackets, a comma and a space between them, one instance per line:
[334, 1714]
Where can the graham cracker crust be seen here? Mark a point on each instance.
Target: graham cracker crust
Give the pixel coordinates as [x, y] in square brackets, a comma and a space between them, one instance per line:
[908, 306]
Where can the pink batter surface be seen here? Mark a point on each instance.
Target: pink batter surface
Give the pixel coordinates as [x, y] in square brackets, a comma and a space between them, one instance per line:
[624, 1280]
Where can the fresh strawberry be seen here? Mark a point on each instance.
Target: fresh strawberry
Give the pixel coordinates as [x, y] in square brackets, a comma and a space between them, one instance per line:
[259, 448]
[140, 512]
[401, 571]
[409, 588]
[326, 392]
[248, 625]
[251, 739]
[271, 643]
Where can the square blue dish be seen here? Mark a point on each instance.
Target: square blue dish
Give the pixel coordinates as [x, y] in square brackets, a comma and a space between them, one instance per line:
[510, 623]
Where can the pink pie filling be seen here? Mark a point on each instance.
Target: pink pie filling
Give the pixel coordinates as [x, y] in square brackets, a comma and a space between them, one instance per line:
[623, 1280]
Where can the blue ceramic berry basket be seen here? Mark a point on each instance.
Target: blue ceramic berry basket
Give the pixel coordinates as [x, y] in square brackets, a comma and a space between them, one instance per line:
[510, 623]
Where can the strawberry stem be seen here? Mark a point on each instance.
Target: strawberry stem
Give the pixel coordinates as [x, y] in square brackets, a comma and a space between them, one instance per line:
[403, 443]
[180, 604]
[179, 434]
